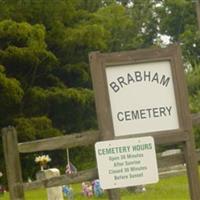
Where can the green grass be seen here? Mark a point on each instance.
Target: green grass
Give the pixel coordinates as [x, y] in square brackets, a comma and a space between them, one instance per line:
[174, 188]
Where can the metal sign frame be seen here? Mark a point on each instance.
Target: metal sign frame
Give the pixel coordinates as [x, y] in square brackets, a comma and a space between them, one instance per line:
[98, 64]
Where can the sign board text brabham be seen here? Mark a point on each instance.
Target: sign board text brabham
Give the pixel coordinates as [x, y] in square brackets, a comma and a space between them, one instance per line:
[142, 98]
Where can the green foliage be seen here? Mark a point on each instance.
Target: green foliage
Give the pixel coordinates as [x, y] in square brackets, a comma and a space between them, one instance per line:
[66, 107]
[191, 40]
[74, 75]
[195, 108]
[89, 5]
[145, 22]
[175, 15]
[11, 92]
[31, 129]
[115, 20]
[21, 35]
[24, 55]
[178, 20]
[11, 95]
[193, 78]
[30, 67]
[90, 35]
[85, 160]
[35, 128]
[194, 103]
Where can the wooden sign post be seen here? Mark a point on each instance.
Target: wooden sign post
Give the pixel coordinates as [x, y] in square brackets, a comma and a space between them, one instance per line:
[144, 93]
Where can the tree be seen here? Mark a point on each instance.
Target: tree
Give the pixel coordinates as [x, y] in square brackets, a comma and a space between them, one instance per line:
[24, 55]
[35, 128]
[66, 107]
[11, 95]
[117, 23]
[178, 20]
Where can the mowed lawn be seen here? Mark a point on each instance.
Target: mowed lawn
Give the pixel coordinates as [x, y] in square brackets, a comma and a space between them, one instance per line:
[173, 188]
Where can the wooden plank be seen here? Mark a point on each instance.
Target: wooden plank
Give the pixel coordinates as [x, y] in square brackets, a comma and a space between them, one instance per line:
[86, 175]
[91, 175]
[62, 142]
[138, 56]
[174, 159]
[164, 162]
[13, 166]
[90, 137]
[164, 137]
[170, 137]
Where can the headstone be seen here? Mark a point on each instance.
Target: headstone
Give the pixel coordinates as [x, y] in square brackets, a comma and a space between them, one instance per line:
[171, 152]
[137, 189]
[178, 167]
[53, 193]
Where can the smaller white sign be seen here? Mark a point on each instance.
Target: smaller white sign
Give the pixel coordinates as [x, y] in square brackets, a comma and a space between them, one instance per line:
[126, 162]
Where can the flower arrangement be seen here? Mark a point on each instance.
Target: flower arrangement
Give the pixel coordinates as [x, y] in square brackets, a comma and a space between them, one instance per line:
[98, 191]
[42, 161]
[87, 189]
[68, 192]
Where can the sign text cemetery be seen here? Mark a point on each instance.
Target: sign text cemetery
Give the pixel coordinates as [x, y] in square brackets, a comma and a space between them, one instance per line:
[142, 94]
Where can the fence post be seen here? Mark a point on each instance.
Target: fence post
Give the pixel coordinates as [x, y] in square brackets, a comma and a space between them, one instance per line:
[114, 194]
[192, 168]
[13, 165]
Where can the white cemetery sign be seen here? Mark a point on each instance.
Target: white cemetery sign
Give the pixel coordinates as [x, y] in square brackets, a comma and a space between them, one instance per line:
[126, 162]
[142, 98]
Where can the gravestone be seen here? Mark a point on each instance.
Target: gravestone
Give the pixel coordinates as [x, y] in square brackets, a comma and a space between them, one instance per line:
[53, 193]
